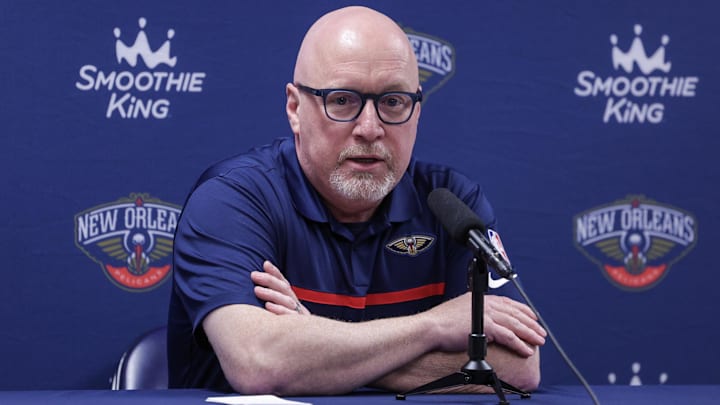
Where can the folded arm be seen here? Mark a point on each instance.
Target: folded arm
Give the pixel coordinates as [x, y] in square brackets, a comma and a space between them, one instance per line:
[263, 352]
[273, 351]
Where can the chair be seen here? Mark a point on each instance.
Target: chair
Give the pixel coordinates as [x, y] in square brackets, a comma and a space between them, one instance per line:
[144, 364]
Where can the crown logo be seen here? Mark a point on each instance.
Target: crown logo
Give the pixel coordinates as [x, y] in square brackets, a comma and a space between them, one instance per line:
[141, 48]
[635, 380]
[637, 55]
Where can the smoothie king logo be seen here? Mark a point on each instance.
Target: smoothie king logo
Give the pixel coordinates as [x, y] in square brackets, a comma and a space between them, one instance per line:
[641, 97]
[140, 92]
[634, 241]
[436, 60]
[131, 239]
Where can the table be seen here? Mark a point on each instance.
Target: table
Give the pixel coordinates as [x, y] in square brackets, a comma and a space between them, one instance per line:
[556, 395]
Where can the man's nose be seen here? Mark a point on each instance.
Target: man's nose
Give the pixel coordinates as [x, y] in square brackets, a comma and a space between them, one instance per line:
[368, 123]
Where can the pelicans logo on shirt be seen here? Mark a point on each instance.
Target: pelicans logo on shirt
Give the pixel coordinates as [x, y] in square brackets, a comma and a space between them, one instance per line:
[131, 239]
[410, 245]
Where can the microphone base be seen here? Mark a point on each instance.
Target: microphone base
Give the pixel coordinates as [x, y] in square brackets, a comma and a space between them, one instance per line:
[476, 371]
[473, 373]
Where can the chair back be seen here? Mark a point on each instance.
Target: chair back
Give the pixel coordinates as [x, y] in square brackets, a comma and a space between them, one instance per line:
[144, 364]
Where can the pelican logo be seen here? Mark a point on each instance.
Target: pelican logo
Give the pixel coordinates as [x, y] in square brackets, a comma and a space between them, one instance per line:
[131, 239]
[410, 245]
[636, 240]
[436, 60]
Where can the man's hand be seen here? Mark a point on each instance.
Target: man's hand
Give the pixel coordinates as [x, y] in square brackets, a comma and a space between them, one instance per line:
[513, 325]
[506, 321]
[510, 325]
[401, 347]
[272, 287]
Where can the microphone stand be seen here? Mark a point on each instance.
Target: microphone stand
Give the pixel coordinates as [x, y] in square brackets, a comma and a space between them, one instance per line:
[476, 371]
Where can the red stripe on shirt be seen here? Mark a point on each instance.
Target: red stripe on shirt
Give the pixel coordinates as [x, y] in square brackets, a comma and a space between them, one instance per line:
[394, 297]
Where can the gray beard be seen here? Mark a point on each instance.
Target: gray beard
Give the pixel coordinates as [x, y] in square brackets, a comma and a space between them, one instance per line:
[362, 186]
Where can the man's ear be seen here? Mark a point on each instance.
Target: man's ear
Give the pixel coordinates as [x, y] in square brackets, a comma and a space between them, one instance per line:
[419, 105]
[292, 106]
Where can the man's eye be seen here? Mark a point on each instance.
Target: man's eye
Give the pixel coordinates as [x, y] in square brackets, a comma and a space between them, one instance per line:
[394, 101]
[341, 99]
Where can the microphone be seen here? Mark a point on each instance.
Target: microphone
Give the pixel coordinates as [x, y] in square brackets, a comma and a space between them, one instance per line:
[465, 227]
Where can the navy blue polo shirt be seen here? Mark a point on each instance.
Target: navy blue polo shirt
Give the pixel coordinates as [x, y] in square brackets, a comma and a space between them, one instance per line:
[260, 206]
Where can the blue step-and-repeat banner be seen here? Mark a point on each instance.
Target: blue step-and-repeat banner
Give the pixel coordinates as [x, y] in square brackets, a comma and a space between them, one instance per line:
[591, 125]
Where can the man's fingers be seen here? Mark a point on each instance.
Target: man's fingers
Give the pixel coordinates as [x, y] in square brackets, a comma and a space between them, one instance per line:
[525, 327]
[526, 331]
[508, 338]
[275, 298]
[268, 294]
[513, 324]
[273, 270]
[270, 281]
[518, 317]
[272, 287]
[278, 309]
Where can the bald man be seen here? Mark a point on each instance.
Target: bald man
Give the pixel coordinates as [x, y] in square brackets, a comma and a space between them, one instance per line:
[313, 265]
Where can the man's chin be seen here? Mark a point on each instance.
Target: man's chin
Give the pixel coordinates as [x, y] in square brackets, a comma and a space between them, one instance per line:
[364, 187]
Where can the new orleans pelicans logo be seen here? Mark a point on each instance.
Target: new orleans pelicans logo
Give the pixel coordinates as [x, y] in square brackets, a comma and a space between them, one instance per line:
[131, 239]
[436, 60]
[410, 245]
[634, 241]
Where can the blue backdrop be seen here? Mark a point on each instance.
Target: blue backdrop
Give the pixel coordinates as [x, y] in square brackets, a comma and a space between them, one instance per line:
[591, 126]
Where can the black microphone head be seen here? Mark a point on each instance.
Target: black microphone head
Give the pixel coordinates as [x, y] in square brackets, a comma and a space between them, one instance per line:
[454, 215]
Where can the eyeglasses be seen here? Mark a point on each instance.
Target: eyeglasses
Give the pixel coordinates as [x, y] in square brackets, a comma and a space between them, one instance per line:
[343, 105]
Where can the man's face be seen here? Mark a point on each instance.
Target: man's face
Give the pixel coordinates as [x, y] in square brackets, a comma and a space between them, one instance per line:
[357, 162]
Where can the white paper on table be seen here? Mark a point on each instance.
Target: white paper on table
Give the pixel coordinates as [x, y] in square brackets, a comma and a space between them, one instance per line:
[254, 400]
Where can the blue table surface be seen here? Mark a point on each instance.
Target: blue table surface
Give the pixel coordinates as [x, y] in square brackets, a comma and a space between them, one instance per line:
[556, 395]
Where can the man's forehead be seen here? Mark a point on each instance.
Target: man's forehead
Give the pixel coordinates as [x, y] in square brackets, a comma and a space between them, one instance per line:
[371, 81]
[392, 68]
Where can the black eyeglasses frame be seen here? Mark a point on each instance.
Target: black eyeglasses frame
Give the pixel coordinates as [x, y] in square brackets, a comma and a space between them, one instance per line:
[415, 97]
